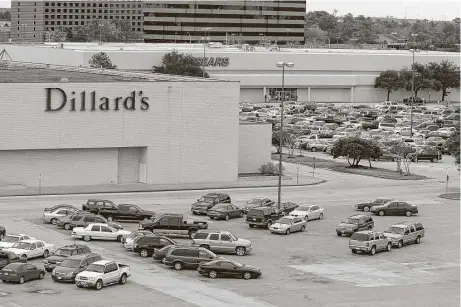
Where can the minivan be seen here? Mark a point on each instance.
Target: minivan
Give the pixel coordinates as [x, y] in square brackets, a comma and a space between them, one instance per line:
[188, 257]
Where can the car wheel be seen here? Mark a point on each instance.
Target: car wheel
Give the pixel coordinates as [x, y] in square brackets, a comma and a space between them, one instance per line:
[418, 240]
[408, 213]
[321, 216]
[205, 246]
[241, 214]
[354, 251]
[86, 238]
[303, 228]
[339, 234]
[21, 280]
[66, 226]
[213, 274]
[42, 275]
[389, 247]
[24, 256]
[247, 275]
[48, 270]
[119, 239]
[313, 149]
[288, 231]
[366, 209]
[194, 213]
[434, 160]
[46, 253]
[110, 218]
[251, 225]
[269, 223]
[381, 213]
[227, 217]
[2, 236]
[192, 233]
[123, 279]
[98, 285]
[306, 218]
[373, 250]
[54, 221]
[400, 244]
[143, 253]
[177, 266]
[240, 251]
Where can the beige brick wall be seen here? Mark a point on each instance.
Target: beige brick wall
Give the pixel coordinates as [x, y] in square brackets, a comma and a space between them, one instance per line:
[254, 146]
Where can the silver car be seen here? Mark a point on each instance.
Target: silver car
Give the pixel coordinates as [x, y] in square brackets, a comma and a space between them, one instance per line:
[221, 242]
[53, 216]
[288, 224]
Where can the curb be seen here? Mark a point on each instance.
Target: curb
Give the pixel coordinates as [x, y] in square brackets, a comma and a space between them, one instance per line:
[160, 190]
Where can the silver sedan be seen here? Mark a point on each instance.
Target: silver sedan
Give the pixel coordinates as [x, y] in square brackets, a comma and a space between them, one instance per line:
[287, 225]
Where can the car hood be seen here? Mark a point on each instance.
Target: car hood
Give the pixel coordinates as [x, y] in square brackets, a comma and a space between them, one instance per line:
[297, 212]
[55, 258]
[123, 232]
[346, 225]
[278, 225]
[5, 244]
[364, 203]
[392, 235]
[376, 208]
[78, 229]
[202, 204]
[60, 269]
[147, 212]
[89, 274]
[251, 268]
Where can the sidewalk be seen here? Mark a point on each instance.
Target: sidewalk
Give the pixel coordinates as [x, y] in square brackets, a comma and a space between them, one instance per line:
[242, 182]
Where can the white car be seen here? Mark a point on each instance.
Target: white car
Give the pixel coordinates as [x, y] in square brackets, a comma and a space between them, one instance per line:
[53, 216]
[10, 239]
[99, 232]
[308, 212]
[31, 248]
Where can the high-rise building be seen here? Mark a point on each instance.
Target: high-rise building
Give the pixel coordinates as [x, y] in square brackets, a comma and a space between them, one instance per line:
[250, 21]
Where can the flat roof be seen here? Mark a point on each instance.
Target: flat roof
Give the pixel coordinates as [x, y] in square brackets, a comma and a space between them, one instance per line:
[22, 72]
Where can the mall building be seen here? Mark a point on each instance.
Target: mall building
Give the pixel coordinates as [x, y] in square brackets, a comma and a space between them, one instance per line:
[319, 75]
[64, 126]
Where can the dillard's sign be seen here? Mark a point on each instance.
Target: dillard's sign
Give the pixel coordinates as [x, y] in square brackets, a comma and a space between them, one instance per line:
[211, 61]
[91, 102]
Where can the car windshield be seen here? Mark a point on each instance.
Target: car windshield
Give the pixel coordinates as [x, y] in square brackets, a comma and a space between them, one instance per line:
[254, 201]
[284, 221]
[239, 265]
[10, 239]
[219, 207]
[63, 252]
[380, 201]
[207, 199]
[351, 221]
[303, 208]
[70, 263]
[359, 236]
[21, 245]
[397, 230]
[233, 237]
[256, 212]
[95, 268]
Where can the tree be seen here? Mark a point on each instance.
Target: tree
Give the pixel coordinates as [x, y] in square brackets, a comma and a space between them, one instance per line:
[422, 78]
[322, 20]
[388, 80]
[101, 60]
[445, 76]
[286, 138]
[315, 34]
[356, 149]
[453, 145]
[402, 151]
[175, 63]
[5, 16]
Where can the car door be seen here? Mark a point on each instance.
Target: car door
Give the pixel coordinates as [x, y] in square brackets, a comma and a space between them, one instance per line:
[95, 232]
[30, 272]
[163, 226]
[60, 213]
[296, 226]
[392, 209]
[229, 269]
[110, 275]
[314, 212]
[382, 241]
[215, 242]
[87, 220]
[406, 235]
[40, 248]
[227, 245]
[32, 252]
[107, 234]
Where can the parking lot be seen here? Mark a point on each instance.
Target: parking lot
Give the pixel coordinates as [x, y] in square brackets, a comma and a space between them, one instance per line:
[314, 267]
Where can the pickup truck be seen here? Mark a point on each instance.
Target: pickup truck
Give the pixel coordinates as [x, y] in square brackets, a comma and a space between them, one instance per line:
[125, 212]
[173, 224]
[102, 273]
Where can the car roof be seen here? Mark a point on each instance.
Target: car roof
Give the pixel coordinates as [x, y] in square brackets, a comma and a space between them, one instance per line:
[72, 246]
[31, 241]
[216, 194]
[16, 234]
[82, 256]
[291, 217]
[262, 208]
[404, 224]
[213, 231]
[369, 232]
[103, 262]
[94, 199]
[360, 215]
[98, 224]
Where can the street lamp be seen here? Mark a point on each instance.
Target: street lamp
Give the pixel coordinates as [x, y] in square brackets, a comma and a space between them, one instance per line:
[190, 38]
[205, 40]
[413, 51]
[329, 44]
[281, 65]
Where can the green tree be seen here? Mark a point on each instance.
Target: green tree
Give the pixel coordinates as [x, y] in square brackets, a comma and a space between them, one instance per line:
[454, 146]
[388, 80]
[445, 76]
[175, 63]
[322, 20]
[422, 78]
[356, 149]
[315, 35]
[5, 16]
[101, 60]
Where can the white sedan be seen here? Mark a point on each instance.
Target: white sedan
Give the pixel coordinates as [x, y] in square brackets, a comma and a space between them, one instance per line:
[31, 248]
[308, 212]
[99, 232]
[53, 216]
[11, 239]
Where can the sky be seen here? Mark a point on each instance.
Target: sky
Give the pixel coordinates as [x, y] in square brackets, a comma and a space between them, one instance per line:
[411, 9]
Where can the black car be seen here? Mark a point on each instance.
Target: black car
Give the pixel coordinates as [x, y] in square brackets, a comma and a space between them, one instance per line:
[367, 205]
[225, 211]
[2, 233]
[395, 208]
[257, 202]
[190, 257]
[227, 268]
[146, 245]
[352, 224]
[21, 272]
[62, 253]
[159, 254]
[286, 206]
[208, 201]
[73, 265]
[127, 212]
[93, 205]
[7, 257]
[428, 154]
[263, 216]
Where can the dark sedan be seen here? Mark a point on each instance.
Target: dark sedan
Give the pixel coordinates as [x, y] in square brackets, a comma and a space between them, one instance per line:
[21, 272]
[286, 206]
[395, 208]
[7, 257]
[225, 211]
[256, 203]
[367, 205]
[227, 268]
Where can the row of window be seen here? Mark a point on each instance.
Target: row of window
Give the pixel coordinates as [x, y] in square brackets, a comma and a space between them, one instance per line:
[223, 16]
[93, 11]
[80, 4]
[282, 34]
[65, 23]
[227, 7]
[230, 25]
[76, 28]
[85, 17]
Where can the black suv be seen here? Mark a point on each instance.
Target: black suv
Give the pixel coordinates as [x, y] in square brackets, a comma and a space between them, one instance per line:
[263, 216]
[208, 201]
[355, 223]
[73, 265]
[62, 253]
[181, 257]
[93, 205]
[427, 154]
[145, 245]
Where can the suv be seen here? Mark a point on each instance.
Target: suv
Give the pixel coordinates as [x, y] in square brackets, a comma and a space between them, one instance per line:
[208, 201]
[7, 257]
[405, 233]
[87, 219]
[93, 205]
[73, 265]
[62, 253]
[355, 223]
[145, 245]
[221, 242]
[181, 257]
[433, 155]
[257, 202]
[369, 242]
[263, 216]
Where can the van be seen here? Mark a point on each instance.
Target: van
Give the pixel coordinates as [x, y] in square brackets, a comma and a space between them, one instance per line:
[186, 257]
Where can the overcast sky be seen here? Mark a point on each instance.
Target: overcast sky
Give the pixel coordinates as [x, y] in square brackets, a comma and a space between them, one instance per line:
[412, 9]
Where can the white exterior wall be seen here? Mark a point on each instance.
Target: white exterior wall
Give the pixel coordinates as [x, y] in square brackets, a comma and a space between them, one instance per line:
[190, 132]
[254, 146]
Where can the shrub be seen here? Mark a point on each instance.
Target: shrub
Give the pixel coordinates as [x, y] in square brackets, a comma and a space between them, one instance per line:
[270, 169]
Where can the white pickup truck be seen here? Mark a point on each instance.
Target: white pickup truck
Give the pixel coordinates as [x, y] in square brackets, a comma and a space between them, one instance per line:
[102, 273]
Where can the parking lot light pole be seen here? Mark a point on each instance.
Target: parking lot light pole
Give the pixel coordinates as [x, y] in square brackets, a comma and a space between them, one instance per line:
[281, 65]
[412, 90]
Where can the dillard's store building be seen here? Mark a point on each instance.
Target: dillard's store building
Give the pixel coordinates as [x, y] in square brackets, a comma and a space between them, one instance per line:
[93, 128]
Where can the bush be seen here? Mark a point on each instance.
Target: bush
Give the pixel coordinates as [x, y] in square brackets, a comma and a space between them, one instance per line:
[270, 169]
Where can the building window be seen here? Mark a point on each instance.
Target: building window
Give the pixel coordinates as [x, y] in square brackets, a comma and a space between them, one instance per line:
[275, 94]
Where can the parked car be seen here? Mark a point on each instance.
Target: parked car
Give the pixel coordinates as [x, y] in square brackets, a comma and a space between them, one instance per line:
[308, 212]
[173, 225]
[125, 212]
[222, 242]
[405, 233]
[93, 205]
[188, 257]
[145, 245]
[62, 206]
[159, 254]
[7, 257]
[21, 272]
[98, 232]
[354, 223]
[369, 242]
[257, 202]
[395, 208]
[285, 206]
[102, 273]
[433, 155]
[57, 257]
[208, 201]
[387, 156]
[64, 222]
[31, 248]
[71, 266]
[2, 233]
[53, 216]
[366, 205]
[227, 268]
[87, 219]
[288, 224]
[263, 216]
[11, 239]
[128, 240]
[225, 211]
